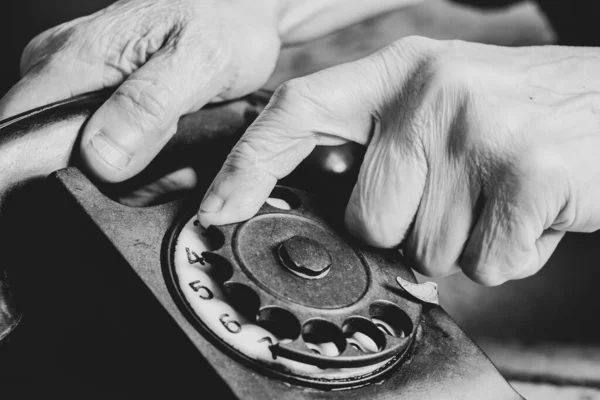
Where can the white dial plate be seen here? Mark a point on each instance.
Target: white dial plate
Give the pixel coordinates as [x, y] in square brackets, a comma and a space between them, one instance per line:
[204, 293]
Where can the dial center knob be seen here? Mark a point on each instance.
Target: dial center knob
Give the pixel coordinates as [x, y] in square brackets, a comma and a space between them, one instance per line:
[305, 257]
[325, 272]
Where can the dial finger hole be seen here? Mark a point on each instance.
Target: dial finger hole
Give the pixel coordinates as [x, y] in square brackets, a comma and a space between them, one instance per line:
[323, 337]
[280, 322]
[216, 266]
[283, 199]
[363, 335]
[242, 299]
[212, 237]
[390, 319]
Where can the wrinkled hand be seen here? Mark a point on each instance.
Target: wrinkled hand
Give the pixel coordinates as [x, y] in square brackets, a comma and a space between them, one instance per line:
[479, 157]
[167, 57]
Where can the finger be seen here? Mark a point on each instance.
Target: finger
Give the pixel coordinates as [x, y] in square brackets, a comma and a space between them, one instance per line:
[546, 245]
[302, 113]
[507, 243]
[443, 221]
[390, 184]
[514, 235]
[401, 189]
[330, 106]
[133, 125]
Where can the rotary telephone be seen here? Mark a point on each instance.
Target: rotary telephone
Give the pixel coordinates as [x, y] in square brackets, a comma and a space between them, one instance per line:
[145, 303]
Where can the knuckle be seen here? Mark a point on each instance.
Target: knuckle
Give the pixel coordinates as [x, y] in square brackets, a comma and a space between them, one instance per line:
[541, 165]
[492, 271]
[125, 35]
[415, 51]
[453, 73]
[243, 155]
[488, 278]
[251, 155]
[32, 51]
[299, 97]
[428, 261]
[430, 249]
[413, 44]
[146, 38]
[48, 47]
[369, 227]
[449, 68]
[380, 238]
[294, 91]
[484, 272]
[145, 99]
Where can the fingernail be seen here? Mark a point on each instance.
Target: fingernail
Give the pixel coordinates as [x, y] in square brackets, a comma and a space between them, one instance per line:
[109, 151]
[211, 204]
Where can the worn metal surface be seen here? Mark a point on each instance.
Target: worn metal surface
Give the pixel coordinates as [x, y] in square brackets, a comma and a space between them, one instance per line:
[443, 363]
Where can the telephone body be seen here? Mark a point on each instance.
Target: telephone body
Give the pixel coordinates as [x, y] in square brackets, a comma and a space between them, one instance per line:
[145, 303]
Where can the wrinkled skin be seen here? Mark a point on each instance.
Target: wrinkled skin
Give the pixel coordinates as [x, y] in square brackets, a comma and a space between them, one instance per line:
[479, 157]
[165, 57]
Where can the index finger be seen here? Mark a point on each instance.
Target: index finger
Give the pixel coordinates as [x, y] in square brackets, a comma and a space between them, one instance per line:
[327, 108]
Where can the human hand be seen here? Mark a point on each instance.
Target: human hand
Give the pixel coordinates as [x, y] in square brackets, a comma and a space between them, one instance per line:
[167, 58]
[479, 157]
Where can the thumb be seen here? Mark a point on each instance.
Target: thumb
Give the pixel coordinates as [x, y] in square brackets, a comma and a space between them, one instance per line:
[133, 125]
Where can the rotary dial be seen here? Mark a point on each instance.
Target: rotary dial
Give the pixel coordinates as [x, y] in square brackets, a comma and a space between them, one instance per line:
[292, 293]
